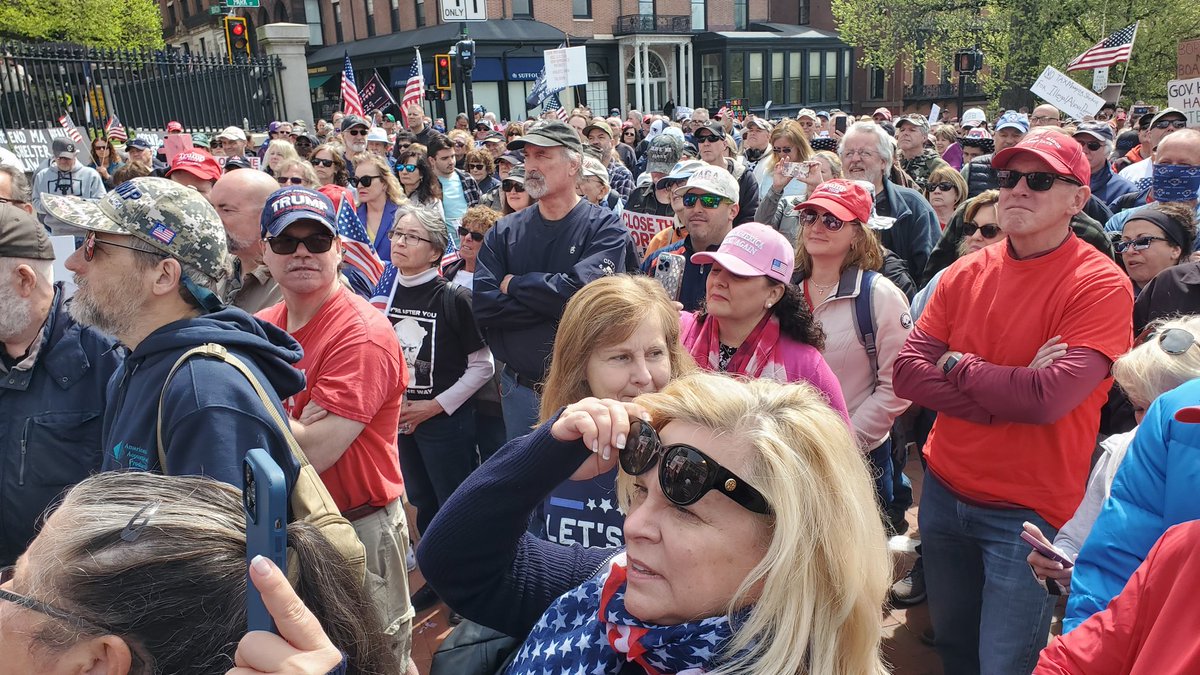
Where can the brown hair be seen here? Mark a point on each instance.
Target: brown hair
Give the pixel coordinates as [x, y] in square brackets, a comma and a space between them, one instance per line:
[866, 253]
[944, 174]
[480, 157]
[341, 176]
[480, 218]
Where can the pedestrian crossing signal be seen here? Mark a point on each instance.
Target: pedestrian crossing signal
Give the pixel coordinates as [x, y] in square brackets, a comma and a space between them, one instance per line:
[237, 37]
[968, 61]
[441, 72]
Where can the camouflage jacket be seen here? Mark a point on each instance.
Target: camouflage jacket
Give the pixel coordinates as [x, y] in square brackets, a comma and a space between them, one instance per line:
[918, 168]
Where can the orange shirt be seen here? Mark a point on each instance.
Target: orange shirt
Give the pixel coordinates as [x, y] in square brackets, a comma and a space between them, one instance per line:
[1002, 310]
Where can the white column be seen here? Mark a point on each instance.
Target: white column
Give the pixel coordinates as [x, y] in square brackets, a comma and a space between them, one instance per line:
[690, 65]
[637, 70]
[288, 41]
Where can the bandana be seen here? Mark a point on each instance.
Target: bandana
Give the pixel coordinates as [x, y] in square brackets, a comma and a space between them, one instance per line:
[756, 357]
[588, 630]
[1176, 182]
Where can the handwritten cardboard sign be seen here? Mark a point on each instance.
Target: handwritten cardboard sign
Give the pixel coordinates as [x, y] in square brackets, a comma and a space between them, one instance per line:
[643, 227]
[565, 67]
[1185, 95]
[1060, 91]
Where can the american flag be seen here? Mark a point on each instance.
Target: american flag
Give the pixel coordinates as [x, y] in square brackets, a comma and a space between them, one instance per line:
[363, 267]
[1113, 49]
[67, 124]
[115, 131]
[351, 103]
[552, 103]
[414, 90]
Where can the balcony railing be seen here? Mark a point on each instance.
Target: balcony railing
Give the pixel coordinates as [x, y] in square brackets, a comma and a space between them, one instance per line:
[933, 92]
[632, 24]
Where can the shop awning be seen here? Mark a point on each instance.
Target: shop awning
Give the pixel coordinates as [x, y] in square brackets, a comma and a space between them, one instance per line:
[315, 81]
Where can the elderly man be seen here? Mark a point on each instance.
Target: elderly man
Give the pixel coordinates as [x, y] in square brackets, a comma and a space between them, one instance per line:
[599, 135]
[809, 123]
[239, 197]
[1097, 139]
[1012, 441]
[355, 379]
[53, 376]
[866, 152]
[14, 188]
[1175, 177]
[917, 160]
[1045, 115]
[534, 260]
[1164, 123]
[354, 134]
[65, 175]
[151, 273]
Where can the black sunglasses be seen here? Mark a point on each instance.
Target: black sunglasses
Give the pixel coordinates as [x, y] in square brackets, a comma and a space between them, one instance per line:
[1174, 341]
[6, 576]
[1170, 124]
[294, 180]
[1090, 145]
[476, 167]
[1038, 181]
[988, 231]
[707, 138]
[684, 473]
[944, 186]
[808, 218]
[314, 243]
[327, 163]
[357, 132]
[474, 236]
[364, 181]
[512, 186]
[1139, 244]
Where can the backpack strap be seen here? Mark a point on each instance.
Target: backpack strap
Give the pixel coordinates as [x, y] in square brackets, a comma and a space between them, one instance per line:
[864, 320]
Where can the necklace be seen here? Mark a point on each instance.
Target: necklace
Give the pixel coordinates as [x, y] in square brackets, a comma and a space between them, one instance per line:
[822, 288]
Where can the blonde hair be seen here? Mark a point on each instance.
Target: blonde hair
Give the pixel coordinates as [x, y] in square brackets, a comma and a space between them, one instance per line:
[306, 171]
[283, 148]
[395, 191]
[1147, 371]
[827, 569]
[835, 162]
[790, 131]
[604, 313]
[866, 253]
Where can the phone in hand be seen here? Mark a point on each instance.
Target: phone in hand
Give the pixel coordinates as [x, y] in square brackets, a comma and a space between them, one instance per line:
[1048, 551]
[839, 123]
[796, 169]
[264, 500]
[669, 272]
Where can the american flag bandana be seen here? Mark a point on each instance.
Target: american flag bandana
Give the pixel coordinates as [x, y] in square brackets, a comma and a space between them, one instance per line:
[588, 631]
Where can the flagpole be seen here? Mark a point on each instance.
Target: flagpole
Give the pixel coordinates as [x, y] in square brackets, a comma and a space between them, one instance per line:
[1125, 73]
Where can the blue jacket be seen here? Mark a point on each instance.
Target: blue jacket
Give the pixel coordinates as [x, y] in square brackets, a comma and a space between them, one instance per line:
[916, 230]
[50, 427]
[1155, 488]
[1108, 186]
[211, 414]
[382, 245]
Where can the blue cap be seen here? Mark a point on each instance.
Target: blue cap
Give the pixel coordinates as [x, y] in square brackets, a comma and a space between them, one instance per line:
[290, 205]
[1100, 131]
[681, 171]
[139, 143]
[1013, 120]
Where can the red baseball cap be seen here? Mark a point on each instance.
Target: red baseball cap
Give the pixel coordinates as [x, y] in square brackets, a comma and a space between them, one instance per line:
[174, 126]
[336, 194]
[197, 162]
[887, 114]
[845, 199]
[1060, 151]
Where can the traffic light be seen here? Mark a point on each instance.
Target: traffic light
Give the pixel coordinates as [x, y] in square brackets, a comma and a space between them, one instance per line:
[442, 72]
[968, 61]
[237, 36]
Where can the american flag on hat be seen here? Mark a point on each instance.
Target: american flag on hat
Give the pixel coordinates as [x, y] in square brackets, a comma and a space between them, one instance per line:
[115, 131]
[414, 89]
[1113, 49]
[351, 103]
[69, 125]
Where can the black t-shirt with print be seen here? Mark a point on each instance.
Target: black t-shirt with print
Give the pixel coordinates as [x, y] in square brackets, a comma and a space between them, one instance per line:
[437, 332]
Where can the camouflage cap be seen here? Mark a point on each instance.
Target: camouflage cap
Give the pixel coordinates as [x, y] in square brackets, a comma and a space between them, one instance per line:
[170, 217]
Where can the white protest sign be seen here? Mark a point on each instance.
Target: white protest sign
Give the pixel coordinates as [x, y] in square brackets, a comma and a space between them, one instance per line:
[1185, 95]
[64, 246]
[1100, 79]
[1067, 95]
[565, 67]
[935, 113]
[643, 226]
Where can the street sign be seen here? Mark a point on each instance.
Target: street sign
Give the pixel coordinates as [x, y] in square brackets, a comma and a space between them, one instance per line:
[241, 3]
[463, 10]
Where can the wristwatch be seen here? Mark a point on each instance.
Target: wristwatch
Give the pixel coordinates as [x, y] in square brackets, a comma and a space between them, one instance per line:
[950, 363]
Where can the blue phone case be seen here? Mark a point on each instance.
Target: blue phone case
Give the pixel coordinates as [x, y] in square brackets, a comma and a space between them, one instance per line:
[264, 499]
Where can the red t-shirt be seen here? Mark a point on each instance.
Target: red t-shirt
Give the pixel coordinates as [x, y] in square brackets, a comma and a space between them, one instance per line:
[1002, 310]
[354, 369]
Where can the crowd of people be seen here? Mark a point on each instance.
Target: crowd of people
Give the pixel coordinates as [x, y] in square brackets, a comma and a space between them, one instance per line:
[635, 393]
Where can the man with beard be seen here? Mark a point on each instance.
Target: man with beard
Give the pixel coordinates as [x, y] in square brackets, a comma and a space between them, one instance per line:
[239, 197]
[65, 175]
[150, 273]
[354, 134]
[53, 374]
[534, 260]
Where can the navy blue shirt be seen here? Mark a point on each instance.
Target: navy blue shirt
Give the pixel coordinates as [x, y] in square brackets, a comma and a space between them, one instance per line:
[695, 277]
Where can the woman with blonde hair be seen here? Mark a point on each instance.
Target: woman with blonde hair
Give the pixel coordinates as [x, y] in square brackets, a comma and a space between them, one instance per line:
[789, 145]
[297, 172]
[752, 545]
[278, 151]
[462, 142]
[379, 193]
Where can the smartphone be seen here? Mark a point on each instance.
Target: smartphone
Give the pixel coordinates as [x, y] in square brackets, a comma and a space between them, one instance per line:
[264, 499]
[796, 169]
[1048, 551]
[669, 272]
[839, 123]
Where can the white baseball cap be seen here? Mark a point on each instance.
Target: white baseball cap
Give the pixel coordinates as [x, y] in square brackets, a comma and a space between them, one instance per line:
[714, 180]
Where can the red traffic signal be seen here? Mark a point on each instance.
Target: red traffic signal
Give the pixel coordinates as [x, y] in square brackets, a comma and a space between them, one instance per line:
[441, 72]
[237, 36]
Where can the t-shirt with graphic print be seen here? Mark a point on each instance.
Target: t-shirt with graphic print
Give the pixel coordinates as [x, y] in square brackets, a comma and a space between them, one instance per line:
[435, 345]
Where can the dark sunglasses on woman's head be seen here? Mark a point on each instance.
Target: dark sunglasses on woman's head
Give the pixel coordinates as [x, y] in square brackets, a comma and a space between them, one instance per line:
[1038, 181]
[944, 186]
[512, 186]
[476, 167]
[313, 243]
[407, 168]
[808, 218]
[364, 181]
[707, 201]
[327, 163]
[685, 474]
[294, 180]
[1174, 341]
[474, 236]
[988, 231]
[1137, 244]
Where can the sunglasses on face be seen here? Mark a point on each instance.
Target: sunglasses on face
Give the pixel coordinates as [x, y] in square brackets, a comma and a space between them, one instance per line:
[707, 201]
[781, 151]
[1090, 145]
[944, 186]
[407, 168]
[313, 243]
[1139, 244]
[707, 138]
[403, 146]
[512, 186]
[459, 144]
[476, 167]
[472, 235]
[808, 218]
[1174, 341]
[364, 181]
[684, 473]
[294, 180]
[1170, 124]
[90, 242]
[327, 163]
[357, 132]
[988, 231]
[1038, 181]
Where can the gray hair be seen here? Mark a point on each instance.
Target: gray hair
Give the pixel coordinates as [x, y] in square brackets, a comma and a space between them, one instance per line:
[21, 191]
[884, 142]
[432, 220]
[43, 269]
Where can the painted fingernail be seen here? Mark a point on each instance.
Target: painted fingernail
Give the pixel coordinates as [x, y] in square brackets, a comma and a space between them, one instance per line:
[596, 446]
[607, 452]
[261, 565]
[621, 441]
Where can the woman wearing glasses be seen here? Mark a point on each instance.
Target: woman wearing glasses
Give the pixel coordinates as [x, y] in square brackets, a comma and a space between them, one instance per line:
[837, 260]
[945, 190]
[462, 143]
[482, 168]
[475, 225]
[105, 161]
[297, 172]
[416, 177]
[751, 543]
[981, 227]
[379, 194]
[330, 166]
[512, 191]
[1155, 237]
[775, 172]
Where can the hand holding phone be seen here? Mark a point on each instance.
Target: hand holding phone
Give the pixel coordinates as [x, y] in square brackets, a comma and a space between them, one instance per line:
[264, 500]
[668, 270]
[1047, 563]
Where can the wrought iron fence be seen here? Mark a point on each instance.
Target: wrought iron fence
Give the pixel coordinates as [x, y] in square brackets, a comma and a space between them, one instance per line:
[631, 24]
[143, 88]
[941, 91]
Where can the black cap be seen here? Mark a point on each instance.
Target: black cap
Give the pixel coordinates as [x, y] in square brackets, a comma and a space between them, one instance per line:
[548, 134]
[350, 121]
[713, 127]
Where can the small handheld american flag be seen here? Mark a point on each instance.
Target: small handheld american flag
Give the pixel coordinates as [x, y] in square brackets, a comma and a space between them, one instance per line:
[69, 125]
[115, 131]
[363, 267]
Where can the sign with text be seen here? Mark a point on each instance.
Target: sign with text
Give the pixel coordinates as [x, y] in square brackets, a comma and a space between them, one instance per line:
[1060, 91]
[32, 146]
[565, 67]
[464, 10]
[643, 226]
[1187, 63]
[1185, 95]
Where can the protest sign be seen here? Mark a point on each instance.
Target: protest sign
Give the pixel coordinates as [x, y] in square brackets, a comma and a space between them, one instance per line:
[1184, 95]
[1187, 62]
[32, 146]
[643, 226]
[565, 67]
[1060, 91]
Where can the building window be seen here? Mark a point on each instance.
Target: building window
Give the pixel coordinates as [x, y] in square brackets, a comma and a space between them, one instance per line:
[699, 14]
[737, 75]
[802, 19]
[312, 16]
[395, 11]
[337, 21]
[581, 9]
[847, 68]
[420, 13]
[741, 14]
[522, 9]
[877, 82]
[370, 5]
[754, 87]
[710, 79]
[814, 78]
[830, 76]
[203, 47]
[645, 7]
[777, 78]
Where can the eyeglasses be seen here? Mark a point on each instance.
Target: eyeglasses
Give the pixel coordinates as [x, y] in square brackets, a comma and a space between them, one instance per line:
[407, 168]
[1138, 244]
[6, 576]
[684, 473]
[403, 146]
[476, 167]
[90, 242]
[1170, 124]
[707, 138]
[808, 218]
[1042, 118]
[218, 144]
[313, 243]
[944, 186]
[474, 236]
[327, 163]
[1174, 341]
[1038, 181]
[988, 231]
[294, 180]
[865, 154]
[707, 201]
[459, 144]
[357, 132]
[512, 186]
[364, 181]
[782, 151]
[408, 239]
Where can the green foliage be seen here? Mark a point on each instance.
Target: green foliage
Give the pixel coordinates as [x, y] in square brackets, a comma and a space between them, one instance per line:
[1020, 38]
[93, 23]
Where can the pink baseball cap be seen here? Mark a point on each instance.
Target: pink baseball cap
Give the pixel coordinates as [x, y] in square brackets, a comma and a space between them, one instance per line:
[1060, 151]
[197, 162]
[752, 250]
[845, 199]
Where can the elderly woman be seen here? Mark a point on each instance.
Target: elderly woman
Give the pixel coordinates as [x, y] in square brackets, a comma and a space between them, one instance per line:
[594, 186]
[751, 540]
[945, 189]
[481, 165]
[297, 172]
[379, 194]
[1155, 237]
[330, 165]
[462, 142]
[278, 151]
[945, 141]
[138, 573]
[475, 224]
